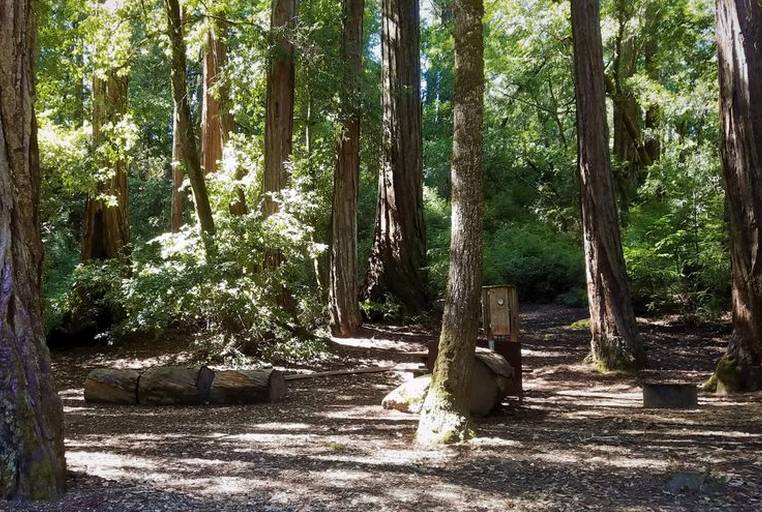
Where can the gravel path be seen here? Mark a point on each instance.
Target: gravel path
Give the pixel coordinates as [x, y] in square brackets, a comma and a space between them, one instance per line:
[580, 441]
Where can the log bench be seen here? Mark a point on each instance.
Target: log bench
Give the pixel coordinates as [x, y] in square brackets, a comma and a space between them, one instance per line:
[179, 385]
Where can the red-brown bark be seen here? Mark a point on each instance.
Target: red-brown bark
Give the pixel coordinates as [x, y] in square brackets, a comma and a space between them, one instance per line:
[32, 463]
[216, 120]
[739, 32]
[398, 256]
[279, 109]
[616, 344]
[343, 290]
[105, 225]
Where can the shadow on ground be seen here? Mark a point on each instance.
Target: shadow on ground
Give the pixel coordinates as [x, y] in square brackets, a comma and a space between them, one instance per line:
[579, 441]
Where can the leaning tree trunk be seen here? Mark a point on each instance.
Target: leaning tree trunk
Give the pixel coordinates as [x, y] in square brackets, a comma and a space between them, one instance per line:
[343, 292]
[739, 32]
[32, 463]
[215, 115]
[185, 130]
[279, 102]
[106, 226]
[177, 199]
[616, 344]
[398, 256]
[445, 415]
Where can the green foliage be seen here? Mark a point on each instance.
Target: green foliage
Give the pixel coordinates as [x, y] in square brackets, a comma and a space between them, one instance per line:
[233, 295]
[675, 243]
[540, 261]
[674, 232]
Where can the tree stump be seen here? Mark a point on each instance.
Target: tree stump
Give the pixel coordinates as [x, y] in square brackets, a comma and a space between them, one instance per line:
[175, 385]
[112, 386]
[247, 387]
[658, 395]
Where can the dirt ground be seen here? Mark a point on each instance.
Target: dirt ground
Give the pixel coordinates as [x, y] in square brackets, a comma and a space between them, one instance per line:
[579, 441]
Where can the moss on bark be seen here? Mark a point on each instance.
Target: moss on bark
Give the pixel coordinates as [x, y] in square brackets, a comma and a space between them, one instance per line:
[441, 423]
[732, 376]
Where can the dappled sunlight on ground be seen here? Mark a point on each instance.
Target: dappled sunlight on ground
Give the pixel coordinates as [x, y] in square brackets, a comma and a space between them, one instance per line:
[579, 440]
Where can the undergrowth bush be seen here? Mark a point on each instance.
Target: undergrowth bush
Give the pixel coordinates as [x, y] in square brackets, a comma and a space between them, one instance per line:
[540, 261]
[675, 244]
[223, 292]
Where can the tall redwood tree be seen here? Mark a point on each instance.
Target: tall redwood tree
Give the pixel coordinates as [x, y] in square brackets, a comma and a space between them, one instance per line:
[398, 255]
[739, 40]
[32, 463]
[616, 344]
[106, 225]
[279, 107]
[216, 121]
[445, 417]
[343, 290]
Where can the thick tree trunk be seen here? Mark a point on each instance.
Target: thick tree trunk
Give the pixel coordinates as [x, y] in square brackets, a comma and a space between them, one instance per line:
[279, 108]
[32, 463]
[106, 226]
[445, 416]
[398, 256]
[739, 32]
[177, 199]
[188, 146]
[343, 292]
[216, 121]
[616, 344]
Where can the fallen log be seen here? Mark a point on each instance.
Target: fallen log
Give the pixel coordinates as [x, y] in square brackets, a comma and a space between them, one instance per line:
[174, 385]
[112, 386]
[177, 385]
[334, 373]
[247, 387]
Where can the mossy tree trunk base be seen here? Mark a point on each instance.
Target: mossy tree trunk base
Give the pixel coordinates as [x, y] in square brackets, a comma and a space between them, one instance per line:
[733, 375]
[615, 354]
[441, 423]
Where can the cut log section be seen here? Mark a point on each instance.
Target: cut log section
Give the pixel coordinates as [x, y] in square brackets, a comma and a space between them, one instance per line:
[112, 386]
[175, 385]
[247, 387]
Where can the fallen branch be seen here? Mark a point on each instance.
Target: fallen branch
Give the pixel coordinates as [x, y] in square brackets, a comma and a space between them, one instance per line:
[378, 369]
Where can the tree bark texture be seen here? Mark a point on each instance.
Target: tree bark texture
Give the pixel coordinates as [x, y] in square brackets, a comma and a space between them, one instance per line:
[279, 102]
[106, 225]
[398, 255]
[177, 199]
[216, 121]
[344, 291]
[445, 415]
[32, 463]
[187, 136]
[616, 344]
[739, 32]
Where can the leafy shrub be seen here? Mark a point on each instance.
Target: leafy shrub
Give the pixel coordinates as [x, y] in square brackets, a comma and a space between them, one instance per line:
[540, 261]
[230, 291]
[675, 242]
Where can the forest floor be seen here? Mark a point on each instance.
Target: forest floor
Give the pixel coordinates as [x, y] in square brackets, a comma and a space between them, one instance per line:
[579, 441]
